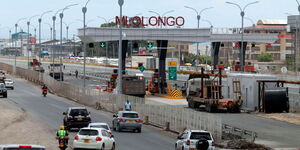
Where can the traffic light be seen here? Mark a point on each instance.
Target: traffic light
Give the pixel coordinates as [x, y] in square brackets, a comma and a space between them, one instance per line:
[91, 45]
[150, 45]
[237, 45]
[102, 44]
[269, 45]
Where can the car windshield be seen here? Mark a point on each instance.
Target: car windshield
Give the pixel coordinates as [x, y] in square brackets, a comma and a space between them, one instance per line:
[77, 112]
[130, 115]
[2, 86]
[200, 135]
[88, 132]
[100, 126]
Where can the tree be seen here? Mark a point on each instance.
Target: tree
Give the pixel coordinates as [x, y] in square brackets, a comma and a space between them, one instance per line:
[289, 63]
[110, 24]
[264, 57]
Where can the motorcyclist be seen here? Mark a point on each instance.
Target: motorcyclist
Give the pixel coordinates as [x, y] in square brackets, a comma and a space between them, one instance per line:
[127, 106]
[44, 87]
[62, 133]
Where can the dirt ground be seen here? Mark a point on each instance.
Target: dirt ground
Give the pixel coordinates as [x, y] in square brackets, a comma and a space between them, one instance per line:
[286, 117]
[18, 127]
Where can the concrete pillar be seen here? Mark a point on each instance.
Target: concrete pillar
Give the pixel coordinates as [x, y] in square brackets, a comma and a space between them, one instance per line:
[162, 47]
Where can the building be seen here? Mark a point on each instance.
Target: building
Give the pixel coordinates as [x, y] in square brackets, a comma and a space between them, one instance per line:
[204, 48]
[280, 51]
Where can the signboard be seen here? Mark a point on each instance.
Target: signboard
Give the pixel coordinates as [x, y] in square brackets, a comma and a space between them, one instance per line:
[172, 73]
[151, 21]
[172, 64]
[102, 44]
[142, 68]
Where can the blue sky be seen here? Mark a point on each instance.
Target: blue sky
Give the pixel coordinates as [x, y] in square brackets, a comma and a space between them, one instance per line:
[222, 15]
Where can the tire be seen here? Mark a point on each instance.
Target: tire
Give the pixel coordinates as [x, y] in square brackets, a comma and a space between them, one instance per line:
[182, 148]
[175, 146]
[102, 147]
[139, 130]
[12, 88]
[202, 144]
[113, 147]
[5, 95]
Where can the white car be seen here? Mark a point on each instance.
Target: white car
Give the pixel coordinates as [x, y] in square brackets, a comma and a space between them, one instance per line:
[22, 147]
[94, 138]
[189, 140]
[9, 83]
[100, 125]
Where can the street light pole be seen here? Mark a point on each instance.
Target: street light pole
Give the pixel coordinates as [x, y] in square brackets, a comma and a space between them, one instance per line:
[198, 20]
[28, 36]
[242, 59]
[40, 22]
[120, 62]
[61, 15]
[16, 31]
[297, 42]
[84, 10]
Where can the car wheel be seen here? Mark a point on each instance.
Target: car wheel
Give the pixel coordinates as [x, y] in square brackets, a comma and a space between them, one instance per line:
[139, 130]
[113, 147]
[12, 88]
[182, 148]
[103, 147]
[175, 146]
[5, 95]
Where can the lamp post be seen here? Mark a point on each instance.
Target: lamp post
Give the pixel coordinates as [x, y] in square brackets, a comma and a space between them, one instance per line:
[84, 10]
[54, 37]
[50, 27]
[120, 62]
[61, 15]
[253, 23]
[198, 13]
[297, 43]
[16, 31]
[40, 24]
[28, 36]
[106, 51]
[158, 14]
[242, 53]
[211, 25]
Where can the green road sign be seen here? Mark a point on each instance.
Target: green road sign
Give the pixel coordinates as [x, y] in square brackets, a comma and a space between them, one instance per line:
[102, 44]
[172, 73]
[142, 68]
[150, 45]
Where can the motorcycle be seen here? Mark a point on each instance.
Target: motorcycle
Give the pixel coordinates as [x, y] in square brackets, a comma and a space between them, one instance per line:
[62, 143]
[44, 92]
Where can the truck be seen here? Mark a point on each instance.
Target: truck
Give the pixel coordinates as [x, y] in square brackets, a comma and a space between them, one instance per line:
[133, 85]
[205, 90]
[54, 71]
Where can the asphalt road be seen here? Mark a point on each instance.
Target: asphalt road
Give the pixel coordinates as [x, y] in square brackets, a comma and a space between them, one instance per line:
[271, 132]
[49, 110]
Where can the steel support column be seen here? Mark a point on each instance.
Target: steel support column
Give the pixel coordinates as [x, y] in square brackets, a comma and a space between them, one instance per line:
[162, 47]
[124, 51]
[215, 53]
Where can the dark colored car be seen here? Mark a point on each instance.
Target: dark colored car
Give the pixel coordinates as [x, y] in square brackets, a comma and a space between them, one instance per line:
[3, 90]
[76, 117]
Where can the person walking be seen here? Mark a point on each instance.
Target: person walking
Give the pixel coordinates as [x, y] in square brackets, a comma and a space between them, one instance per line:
[76, 73]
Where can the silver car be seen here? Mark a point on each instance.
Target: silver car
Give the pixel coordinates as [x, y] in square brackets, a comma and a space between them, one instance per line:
[9, 83]
[127, 120]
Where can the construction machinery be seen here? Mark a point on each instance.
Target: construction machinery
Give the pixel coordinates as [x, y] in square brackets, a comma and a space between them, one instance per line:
[153, 84]
[204, 90]
[55, 71]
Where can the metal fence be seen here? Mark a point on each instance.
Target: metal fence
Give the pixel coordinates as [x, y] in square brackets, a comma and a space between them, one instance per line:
[176, 118]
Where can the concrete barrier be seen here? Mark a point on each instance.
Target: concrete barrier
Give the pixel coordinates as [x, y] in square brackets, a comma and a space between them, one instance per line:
[176, 117]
